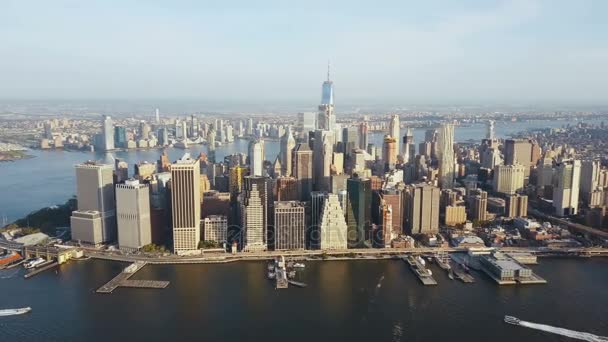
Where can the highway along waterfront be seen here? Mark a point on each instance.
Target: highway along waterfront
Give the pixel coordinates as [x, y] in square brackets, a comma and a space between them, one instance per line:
[358, 300]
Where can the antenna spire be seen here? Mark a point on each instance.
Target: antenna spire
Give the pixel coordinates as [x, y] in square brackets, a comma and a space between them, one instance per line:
[328, 65]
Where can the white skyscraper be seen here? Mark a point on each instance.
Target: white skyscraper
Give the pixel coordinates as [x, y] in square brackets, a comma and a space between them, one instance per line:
[445, 155]
[108, 133]
[157, 115]
[409, 147]
[133, 215]
[333, 229]
[256, 157]
[395, 130]
[186, 204]
[490, 130]
[566, 191]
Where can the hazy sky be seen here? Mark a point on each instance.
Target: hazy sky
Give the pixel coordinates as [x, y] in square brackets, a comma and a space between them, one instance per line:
[277, 51]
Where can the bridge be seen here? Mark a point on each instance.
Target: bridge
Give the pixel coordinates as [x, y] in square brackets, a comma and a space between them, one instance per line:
[572, 226]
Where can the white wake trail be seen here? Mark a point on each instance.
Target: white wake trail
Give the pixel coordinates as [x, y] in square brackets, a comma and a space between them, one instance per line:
[564, 332]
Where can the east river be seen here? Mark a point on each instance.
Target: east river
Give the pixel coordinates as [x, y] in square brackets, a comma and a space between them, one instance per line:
[375, 300]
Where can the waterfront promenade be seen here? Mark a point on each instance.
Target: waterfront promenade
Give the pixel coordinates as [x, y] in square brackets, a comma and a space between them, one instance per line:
[346, 254]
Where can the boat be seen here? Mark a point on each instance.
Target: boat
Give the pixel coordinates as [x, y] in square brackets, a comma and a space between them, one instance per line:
[512, 320]
[299, 265]
[34, 263]
[14, 312]
[421, 261]
[451, 275]
[271, 275]
[271, 266]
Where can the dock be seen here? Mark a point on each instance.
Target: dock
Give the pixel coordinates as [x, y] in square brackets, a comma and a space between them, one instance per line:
[122, 280]
[45, 267]
[425, 276]
[462, 275]
[297, 283]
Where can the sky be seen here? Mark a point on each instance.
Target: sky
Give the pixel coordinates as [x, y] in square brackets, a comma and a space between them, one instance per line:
[400, 52]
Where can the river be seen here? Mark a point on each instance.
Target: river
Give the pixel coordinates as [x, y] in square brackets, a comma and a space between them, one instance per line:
[376, 300]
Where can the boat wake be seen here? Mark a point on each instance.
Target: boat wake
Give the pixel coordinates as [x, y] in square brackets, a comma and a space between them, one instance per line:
[559, 331]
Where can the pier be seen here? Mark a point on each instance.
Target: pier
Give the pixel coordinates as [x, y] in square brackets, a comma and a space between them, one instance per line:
[122, 280]
[425, 276]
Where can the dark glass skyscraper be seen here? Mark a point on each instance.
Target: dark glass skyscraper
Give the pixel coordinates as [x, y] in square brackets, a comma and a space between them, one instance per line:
[358, 210]
[120, 136]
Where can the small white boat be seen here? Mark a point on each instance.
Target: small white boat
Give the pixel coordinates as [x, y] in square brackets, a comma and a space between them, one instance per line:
[299, 265]
[271, 275]
[14, 312]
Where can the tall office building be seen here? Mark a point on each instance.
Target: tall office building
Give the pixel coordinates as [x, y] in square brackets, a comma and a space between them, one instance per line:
[322, 159]
[358, 210]
[264, 191]
[333, 230]
[422, 209]
[590, 178]
[133, 215]
[215, 228]
[350, 139]
[289, 225]
[516, 206]
[185, 203]
[363, 135]
[120, 137]
[394, 130]
[509, 179]
[519, 151]
[317, 200]
[455, 214]
[478, 203]
[256, 157]
[307, 122]
[157, 116]
[445, 156]
[490, 135]
[108, 133]
[287, 189]
[288, 143]
[326, 119]
[566, 189]
[409, 147]
[302, 170]
[389, 152]
[95, 220]
[253, 229]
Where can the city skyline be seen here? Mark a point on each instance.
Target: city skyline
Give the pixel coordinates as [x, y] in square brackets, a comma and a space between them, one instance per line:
[400, 53]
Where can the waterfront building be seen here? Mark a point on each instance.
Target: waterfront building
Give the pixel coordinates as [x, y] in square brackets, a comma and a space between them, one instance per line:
[289, 225]
[358, 210]
[265, 191]
[566, 187]
[95, 193]
[253, 218]
[108, 133]
[87, 227]
[422, 209]
[288, 143]
[256, 157]
[445, 155]
[302, 170]
[133, 215]
[120, 136]
[509, 179]
[215, 228]
[590, 179]
[394, 131]
[333, 229]
[185, 204]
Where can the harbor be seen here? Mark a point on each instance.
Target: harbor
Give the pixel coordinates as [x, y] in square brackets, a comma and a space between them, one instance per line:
[123, 280]
[283, 273]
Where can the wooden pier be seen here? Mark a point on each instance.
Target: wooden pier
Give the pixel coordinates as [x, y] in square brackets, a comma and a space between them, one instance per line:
[122, 280]
[420, 270]
[47, 266]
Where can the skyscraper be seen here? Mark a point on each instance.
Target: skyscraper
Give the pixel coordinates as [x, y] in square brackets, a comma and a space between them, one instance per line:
[389, 152]
[95, 220]
[490, 135]
[120, 137]
[333, 228]
[422, 209]
[322, 159]
[509, 179]
[133, 215]
[157, 115]
[288, 143]
[108, 133]
[215, 228]
[302, 170]
[264, 191]
[445, 155]
[566, 189]
[326, 119]
[185, 203]
[363, 135]
[478, 203]
[256, 157]
[252, 211]
[394, 129]
[289, 225]
[358, 210]
[409, 147]
[590, 178]
[519, 151]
